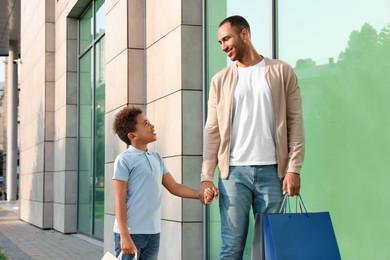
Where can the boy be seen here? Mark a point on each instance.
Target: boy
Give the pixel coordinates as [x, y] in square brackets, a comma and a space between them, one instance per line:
[138, 174]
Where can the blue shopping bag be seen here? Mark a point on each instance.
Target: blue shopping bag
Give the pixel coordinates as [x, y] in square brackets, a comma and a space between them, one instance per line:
[296, 236]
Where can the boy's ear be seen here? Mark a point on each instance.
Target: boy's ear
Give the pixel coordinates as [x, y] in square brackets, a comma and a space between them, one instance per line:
[131, 136]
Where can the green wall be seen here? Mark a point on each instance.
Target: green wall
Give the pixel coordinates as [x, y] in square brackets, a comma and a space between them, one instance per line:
[341, 57]
[348, 142]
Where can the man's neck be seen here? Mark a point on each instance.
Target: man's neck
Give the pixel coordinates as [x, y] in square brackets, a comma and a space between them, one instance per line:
[250, 59]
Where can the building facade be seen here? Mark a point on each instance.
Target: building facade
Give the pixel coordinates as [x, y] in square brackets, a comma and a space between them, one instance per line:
[81, 61]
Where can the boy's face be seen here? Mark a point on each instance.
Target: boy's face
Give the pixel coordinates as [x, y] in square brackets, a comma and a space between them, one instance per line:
[144, 132]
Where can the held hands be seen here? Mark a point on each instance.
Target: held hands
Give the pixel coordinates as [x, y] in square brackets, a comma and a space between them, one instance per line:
[292, 184]
[207, 192]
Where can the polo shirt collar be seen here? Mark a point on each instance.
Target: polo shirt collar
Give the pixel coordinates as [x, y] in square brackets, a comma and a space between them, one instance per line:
[133, 149]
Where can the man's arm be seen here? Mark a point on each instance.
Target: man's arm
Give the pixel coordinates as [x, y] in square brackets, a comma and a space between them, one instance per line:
[295, 136]
[211, 137]
[211, 145]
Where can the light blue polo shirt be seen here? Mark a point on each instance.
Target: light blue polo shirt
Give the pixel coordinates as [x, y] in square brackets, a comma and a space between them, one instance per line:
[143, 172]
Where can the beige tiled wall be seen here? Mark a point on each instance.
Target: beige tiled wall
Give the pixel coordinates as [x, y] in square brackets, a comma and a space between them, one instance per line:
[162, 17]
[156, 66]
[181, 241]
[65, 122]
[117, 78]
[174, 105]
[125, 85]
[37, 113]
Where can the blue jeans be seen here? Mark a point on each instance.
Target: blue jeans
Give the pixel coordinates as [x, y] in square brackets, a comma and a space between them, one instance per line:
[147, 246]
[246, 186]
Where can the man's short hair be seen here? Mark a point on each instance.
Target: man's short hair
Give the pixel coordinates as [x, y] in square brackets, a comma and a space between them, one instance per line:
[125, 122]
[237, 22]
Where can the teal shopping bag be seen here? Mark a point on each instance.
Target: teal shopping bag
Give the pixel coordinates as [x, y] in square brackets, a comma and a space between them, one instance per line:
[297, 236]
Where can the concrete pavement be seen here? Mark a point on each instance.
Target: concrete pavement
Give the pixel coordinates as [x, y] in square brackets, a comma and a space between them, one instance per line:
[21, 240]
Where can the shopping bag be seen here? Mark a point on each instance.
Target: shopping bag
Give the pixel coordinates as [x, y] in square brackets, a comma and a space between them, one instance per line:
[109, 256]
[296, 236]
[257, 242]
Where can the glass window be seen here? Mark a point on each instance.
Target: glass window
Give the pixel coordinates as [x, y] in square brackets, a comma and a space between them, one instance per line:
[85, 143]
[340, 51]
[91, 122]
[100, 17]
[256, 12]
[86, 29]
[99, 139]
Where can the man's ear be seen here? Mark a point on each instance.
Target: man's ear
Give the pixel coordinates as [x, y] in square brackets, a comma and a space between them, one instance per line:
[245, 34]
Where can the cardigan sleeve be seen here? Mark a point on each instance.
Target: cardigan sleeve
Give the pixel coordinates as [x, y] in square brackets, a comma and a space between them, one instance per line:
[295, 129]
[212, 136]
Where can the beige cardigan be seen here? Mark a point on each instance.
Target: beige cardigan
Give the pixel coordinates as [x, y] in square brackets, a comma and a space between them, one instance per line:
[287, 104]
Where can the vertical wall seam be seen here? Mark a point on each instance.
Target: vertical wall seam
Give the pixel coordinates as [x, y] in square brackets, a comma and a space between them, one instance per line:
[273, 29]
[145, 58]
[204, 209]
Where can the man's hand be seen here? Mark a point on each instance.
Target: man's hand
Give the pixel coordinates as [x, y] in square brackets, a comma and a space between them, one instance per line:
[202, 192]
[292, 184]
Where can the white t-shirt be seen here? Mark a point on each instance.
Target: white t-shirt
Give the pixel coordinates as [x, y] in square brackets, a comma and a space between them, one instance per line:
[253, 126]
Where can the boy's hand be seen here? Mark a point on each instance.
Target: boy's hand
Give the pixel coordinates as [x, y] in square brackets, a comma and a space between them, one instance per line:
[209, 194]
[127, 245]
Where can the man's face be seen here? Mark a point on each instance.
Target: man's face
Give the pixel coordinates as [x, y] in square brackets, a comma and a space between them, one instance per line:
[144, 130]
[231, 42]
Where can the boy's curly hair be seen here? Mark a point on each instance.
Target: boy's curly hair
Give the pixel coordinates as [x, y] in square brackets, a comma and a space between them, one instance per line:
[125, 121]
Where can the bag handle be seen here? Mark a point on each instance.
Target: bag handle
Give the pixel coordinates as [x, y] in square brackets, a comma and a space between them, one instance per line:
[286, 203]
[121, 254]
[300, 202]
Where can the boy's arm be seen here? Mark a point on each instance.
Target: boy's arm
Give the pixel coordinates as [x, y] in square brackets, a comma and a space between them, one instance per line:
[178, 189]
[120, 191]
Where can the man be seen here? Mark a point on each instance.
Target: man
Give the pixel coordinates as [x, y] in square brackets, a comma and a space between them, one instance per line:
[254, 132]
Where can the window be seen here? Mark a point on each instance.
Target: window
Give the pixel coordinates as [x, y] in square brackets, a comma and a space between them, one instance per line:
[340, 51]
[91, 121]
